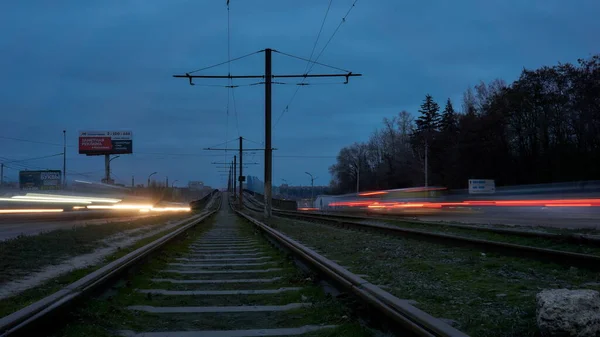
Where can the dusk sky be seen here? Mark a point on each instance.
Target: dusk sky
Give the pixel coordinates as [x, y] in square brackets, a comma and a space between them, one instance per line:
[108, 65]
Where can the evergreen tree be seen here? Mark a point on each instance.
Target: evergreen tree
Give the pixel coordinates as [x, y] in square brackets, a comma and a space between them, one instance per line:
[429, 121]
[449, 120]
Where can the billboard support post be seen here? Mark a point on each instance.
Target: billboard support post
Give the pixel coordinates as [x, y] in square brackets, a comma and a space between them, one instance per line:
[107, 168]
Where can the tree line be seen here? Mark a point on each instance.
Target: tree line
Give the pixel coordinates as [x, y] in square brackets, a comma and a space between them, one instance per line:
[544, 127]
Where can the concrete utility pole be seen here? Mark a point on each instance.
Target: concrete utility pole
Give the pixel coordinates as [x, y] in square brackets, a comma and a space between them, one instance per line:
[241, 193]
[234, 171]
[268, 150]
[268, 77]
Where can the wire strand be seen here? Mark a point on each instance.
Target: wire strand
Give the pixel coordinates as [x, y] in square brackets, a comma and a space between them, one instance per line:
[311, 61]
[334, 32]
[287, 106]
[35, 158]
[229, 61]
[318, 35]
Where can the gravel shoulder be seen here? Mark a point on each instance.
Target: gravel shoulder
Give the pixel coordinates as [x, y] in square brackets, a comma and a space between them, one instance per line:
[482, 294]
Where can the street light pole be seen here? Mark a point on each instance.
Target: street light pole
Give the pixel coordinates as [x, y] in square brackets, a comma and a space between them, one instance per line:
[151, 174]
[285, 181]
[64, 158]
[107, 162]
[312, 187]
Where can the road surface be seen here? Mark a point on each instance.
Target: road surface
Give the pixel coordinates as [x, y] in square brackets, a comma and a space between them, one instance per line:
[33, 224]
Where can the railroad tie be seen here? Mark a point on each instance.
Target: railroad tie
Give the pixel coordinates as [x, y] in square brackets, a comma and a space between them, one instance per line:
[216, 292]
[232, 333]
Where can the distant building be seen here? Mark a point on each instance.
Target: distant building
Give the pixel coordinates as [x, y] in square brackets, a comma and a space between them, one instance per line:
[196, 185]
[254, 184]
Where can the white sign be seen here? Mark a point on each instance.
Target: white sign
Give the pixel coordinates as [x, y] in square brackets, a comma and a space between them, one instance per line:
[482, 186]
[114, 135]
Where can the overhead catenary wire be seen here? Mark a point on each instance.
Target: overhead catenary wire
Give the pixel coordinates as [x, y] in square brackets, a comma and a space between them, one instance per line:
[309, 61]
[228, 61]
[332, 35]
[319, 34]
[313, 62]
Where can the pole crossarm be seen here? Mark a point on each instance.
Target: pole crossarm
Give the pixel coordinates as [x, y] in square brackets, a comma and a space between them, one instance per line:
[216, 163]
[210, 149]
[268, 77]
[191, 77]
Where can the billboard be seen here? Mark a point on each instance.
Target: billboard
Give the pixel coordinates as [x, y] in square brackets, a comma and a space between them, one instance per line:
[482, 186]
[40, 180]
[105, 142]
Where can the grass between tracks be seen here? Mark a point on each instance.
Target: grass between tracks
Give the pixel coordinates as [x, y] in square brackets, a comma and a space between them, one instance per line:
[546, 243]
[485, 294]
[108, 313]
[26, 254]
[475, 233]
[27, 297]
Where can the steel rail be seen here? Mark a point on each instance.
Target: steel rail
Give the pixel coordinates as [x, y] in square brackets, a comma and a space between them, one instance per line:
[557, 256]
[399, 311]
[575, 237]
[26, 319]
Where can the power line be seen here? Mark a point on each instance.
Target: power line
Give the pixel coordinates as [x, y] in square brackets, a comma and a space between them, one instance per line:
[228, 61]
[35, 158]
[311, 61]
[334, 32]
[252, 141]
[287, 106]
[31, 141]
[318, 35]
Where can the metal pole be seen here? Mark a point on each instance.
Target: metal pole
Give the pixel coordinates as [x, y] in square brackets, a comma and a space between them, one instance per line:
[312, 180]
[107, 168]
[234, 170]
[241, 201]
[312, 191]
[426, 155]
[268, 147]
[64, 158]
[132, 182]
[151, 174]
[357, 175]
[166, 182]
[2, 174]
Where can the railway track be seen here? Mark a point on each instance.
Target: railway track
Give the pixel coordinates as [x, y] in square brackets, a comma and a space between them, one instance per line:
[577, 238]
[221, 278]
[351, 222]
